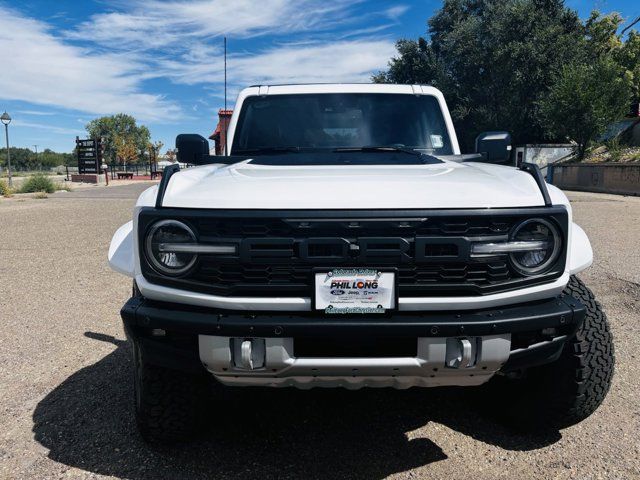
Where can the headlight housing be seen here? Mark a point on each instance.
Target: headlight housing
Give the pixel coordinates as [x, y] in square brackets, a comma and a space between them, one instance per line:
[546, 243]
[162, 247]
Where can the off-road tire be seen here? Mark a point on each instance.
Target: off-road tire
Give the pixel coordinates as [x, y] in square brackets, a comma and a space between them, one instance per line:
[170, 405]
[570, 389]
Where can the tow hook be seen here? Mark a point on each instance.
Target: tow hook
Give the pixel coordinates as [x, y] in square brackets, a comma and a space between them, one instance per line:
[248, 353]
[461, 352]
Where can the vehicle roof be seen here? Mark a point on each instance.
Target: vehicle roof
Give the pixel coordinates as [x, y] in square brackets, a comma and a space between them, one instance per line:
[282, 89]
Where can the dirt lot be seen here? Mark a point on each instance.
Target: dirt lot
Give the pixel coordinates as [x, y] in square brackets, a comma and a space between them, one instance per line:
[65, 390]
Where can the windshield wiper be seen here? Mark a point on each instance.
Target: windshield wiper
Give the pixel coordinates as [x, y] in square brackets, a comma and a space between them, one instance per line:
[259, 150]
[380, 148]
[386, 148]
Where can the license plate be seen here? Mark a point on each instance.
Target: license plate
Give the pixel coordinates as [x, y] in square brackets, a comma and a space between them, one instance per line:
[355, 290]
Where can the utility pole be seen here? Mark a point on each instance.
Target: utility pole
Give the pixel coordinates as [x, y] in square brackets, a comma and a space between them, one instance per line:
[36, 146]
[6, 120]
[224, 123]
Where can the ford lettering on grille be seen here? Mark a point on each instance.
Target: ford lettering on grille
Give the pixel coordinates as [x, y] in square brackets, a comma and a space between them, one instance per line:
[364, 250]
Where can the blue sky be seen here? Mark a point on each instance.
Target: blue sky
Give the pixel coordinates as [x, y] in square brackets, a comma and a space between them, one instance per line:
[65, 62]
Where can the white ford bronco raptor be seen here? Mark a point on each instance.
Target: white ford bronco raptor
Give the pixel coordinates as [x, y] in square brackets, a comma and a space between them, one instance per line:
[346, 242]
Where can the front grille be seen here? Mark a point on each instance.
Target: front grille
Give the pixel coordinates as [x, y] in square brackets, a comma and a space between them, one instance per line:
[278, 252]
[424, 280]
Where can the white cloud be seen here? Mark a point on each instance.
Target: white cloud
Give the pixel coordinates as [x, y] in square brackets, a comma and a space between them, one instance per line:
[343, 61]
[49, 128]
[36, 112]
[40, 68]
[396, 11]
[154, 24]
[177, 39]
[180, 40]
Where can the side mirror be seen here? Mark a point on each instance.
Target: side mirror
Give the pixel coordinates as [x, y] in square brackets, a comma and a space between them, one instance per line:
[495, 147]
[192, 148]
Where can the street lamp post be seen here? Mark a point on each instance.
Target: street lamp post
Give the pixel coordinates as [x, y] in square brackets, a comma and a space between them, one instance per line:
[6, 120]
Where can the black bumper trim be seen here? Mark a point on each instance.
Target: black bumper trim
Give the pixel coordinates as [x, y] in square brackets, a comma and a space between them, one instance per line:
[164, 352]
[564, 313]
[535, 355]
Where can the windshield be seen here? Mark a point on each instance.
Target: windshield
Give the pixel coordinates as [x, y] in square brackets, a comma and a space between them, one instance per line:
[325, 122]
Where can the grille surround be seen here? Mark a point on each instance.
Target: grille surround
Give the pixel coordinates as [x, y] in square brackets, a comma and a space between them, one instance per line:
[290, 275]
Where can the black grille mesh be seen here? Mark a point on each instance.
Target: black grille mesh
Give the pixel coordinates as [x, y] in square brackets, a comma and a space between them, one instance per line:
[453, 278]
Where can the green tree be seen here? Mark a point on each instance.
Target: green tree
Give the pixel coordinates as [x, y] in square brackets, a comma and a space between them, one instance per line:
[628, 56]
[119, 126]
[416, 61]
[601, 35]
[585, 99]
[48, 158]
[154, 150]
[25, 159]
[494, 60]
[21, 158]
[125, 149]
[605, 42]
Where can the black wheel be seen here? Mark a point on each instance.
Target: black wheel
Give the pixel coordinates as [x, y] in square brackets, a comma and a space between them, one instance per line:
[567, 391]
[169, 404]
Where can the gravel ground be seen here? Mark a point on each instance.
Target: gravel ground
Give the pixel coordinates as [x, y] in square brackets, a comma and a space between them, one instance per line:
[65, 390]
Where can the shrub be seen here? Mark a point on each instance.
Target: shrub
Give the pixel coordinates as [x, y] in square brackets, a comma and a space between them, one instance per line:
[615, 149]
[4, 188]
[40, 195]
[38, 183]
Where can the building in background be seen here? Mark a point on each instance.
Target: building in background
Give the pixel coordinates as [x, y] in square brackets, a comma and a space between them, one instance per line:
[219, 135]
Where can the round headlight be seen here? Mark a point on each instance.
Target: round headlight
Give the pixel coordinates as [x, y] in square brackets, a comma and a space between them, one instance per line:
[163, 247]
[545, 244]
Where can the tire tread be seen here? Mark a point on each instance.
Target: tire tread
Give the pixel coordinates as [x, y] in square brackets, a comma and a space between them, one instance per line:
[170, 404]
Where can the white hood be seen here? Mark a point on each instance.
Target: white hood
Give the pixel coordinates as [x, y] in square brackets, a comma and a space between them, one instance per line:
[447, 185]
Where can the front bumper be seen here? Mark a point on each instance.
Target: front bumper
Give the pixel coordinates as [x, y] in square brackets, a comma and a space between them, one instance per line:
[505, 339]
